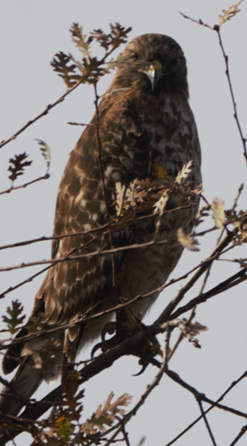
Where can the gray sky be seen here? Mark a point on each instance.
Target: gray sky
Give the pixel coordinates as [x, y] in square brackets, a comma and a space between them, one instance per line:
[31, 32]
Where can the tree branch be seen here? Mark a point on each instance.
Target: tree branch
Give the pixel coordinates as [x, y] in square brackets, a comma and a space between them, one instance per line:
[206, 422]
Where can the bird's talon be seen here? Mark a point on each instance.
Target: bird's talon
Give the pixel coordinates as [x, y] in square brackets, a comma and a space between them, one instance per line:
[144, 366]
[109, 328]
[95, 348]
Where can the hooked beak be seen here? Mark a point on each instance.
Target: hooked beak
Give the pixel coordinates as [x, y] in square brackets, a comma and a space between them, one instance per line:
[154, 74]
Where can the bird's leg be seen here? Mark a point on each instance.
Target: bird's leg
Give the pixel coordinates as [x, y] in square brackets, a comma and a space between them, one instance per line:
[126, 325]
[118, 329]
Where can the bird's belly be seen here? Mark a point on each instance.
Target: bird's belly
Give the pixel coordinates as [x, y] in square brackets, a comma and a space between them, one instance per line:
[145, 270]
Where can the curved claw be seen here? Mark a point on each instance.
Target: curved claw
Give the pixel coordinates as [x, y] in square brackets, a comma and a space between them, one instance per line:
[95, 348]
[103, 334]
[146, 357]
[144, 366]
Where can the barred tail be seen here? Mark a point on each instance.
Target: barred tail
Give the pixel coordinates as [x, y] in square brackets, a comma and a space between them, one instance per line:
[24, 384]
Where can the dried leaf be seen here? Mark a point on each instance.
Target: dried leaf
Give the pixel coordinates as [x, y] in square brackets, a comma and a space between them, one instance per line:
[184, 173]
[187, 241]
[114, 39]
[120, 195]
[118, 35]
[64, 429]
[60, 64]
[46, 152]
[132, 198]
[159, 208]
[161, 203]
[89, 69]
[101, 37]
[18, 165]
[135, 193]
[195, 327]
[15, 316]
[106, 414]
[231, 12]
[217, 207]
[81, 40]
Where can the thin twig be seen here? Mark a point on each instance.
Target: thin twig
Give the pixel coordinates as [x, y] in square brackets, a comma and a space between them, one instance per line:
[244, 375]
[156, 327]
[80, 124]
[105, 252]
[232, 281]
[50, 106]
[241, 433]
[29, 279]
[45, 112]
[217, 29]
[7, 191]
[166, 314]
[98, 253]
[149, 388]
[195, 276]
[113, 225]
[201, 396]
[158, 324]
[100, 363]
[123, 430]
[54, 237]
[100, 228]
[193, 311]
[206, 423]
[199, 22]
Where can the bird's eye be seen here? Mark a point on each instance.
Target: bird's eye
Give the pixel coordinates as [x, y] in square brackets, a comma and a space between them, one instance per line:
[174, 63]
[134, 55]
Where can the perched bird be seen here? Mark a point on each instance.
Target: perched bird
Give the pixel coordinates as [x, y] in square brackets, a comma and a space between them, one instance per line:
[145, 132]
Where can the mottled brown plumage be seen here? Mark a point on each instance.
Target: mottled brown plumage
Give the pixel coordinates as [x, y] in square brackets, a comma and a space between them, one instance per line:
[144, 121]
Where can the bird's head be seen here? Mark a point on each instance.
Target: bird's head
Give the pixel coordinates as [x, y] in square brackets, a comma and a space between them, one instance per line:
[153, 63]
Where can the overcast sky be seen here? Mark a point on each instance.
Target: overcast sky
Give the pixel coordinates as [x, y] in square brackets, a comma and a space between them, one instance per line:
[31, 32]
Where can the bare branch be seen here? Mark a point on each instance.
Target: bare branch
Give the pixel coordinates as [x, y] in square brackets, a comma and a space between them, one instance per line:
[202, 397]
[45, 112]
[217, 29]
[83, 256]
[244, 375]
[166, 314]
[232, 281]
[193, 279]
[241, 433]
[29, 279]
[112, 225]
[7, 191]
[199, 22]
[206, 422]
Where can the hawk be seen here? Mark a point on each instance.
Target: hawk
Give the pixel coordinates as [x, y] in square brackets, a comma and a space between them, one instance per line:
[145, 132]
